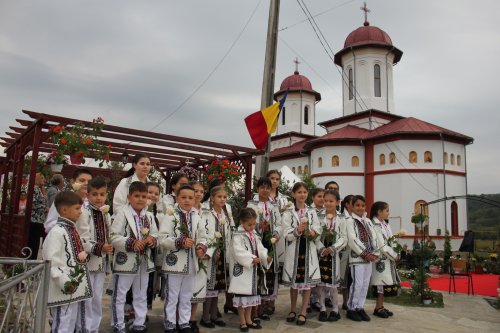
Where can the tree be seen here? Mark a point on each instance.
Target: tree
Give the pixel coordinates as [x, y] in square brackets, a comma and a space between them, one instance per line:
[447, 250]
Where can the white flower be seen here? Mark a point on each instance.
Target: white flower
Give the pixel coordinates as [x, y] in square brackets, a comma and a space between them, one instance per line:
[329, 216]
[170, 211]
[149, 202]
[304, 219]
[145, 232]
[273, 240]
[76, 186]
[260, 211]
[222, 221]
[104, 209]
[401, 232]
[218, 235]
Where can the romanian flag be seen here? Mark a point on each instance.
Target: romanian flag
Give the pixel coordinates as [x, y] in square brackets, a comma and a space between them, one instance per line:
[262, 123]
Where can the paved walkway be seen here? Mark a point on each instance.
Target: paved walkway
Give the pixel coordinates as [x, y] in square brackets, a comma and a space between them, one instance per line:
[461, 313]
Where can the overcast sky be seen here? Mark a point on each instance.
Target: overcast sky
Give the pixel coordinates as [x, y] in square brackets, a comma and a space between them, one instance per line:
[135, 62]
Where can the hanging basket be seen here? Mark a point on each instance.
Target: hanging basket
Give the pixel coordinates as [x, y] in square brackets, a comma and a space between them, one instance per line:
[56, 167]
[76, 160]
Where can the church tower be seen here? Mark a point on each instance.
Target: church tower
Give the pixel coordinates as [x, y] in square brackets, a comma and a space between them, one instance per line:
[367, 60]
[299, 112]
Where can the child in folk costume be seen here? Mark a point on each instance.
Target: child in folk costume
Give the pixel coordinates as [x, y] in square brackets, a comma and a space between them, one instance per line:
[345, 272]
[318, 204]
[133, 235]
[183, 241]
[270, 230]
[283, 204]
[363, 251]
[200, 286]
[301, 270]
[176, 182]
[69, 283]
[94, 227]
[217, 219]
[249, 259]
[333, 240]
[384, 269]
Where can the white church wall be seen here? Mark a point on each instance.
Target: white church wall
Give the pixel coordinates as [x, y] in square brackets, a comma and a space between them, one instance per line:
[348, 184]
[285, 142]
[365, 123]
[345, 155]
[402, 149]
[294, 114]
[293, 164]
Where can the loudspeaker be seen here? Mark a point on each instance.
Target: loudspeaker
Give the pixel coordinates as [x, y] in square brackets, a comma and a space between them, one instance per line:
[468, 242]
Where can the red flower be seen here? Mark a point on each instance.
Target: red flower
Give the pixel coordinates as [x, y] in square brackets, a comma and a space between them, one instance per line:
[106, 158]
[210, 178]
[89, 141]
[57, 129]
[109, 146]
[63, 141]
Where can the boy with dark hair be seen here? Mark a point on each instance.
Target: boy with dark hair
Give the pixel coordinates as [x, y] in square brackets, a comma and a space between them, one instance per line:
[133, 235]
[69, 284]
[93, 226]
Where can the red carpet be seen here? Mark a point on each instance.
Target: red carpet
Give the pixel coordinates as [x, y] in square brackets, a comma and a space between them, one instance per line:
[484, 284]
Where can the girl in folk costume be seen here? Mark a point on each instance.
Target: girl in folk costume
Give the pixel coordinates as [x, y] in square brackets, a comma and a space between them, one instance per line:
[363, 251]
[345, 272]
[318, 205]
[301, 270]
[93, 226]
[141, 166]
[200, 288]
[384, 269]
[333, 240]
[270, 230]
[133, 235]
[217, 219]
[249, 259]
[183, 241]
[176, 182]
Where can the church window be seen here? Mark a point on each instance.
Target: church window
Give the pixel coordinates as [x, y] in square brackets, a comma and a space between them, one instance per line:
[300, 169]
[355, 161]
[306, 115]
[320, 162]
[351, 85]
[427, 157]
[452, 159]
[454, 218]
[293, 169]
[306, 170]
[413, 157]
[381, 159]
[459, 160]
[421, 207]
[335, 161]
[283, 116]
[376, 75]
[445, 157]
[392, 158]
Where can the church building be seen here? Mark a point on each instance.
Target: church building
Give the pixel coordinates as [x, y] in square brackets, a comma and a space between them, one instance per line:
[371, 150]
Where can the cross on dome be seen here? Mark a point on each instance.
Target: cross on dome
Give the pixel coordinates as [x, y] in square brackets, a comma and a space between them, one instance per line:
[366, 10]
[297, 62]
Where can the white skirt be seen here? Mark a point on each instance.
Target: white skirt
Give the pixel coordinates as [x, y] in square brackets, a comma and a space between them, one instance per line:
[246, 301]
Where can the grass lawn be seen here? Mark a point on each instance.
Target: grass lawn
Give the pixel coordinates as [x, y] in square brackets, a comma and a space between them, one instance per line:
[406, 299]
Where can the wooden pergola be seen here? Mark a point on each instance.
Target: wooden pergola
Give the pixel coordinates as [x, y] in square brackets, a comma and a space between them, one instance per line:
[169, 153]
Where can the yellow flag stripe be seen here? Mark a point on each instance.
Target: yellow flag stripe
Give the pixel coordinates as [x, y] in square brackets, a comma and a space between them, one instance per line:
[270, 115]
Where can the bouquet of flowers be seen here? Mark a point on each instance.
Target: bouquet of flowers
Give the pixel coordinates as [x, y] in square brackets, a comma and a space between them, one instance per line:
[307, 232]
[223, 170]
[393, 241]
[190, 172]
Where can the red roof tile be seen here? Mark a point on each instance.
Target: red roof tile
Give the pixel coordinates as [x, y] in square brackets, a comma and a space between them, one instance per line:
[295, 148]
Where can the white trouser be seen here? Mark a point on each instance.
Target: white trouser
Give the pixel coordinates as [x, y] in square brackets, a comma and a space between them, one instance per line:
[63, 318]
[93, 306]
[122, 283]
[178, 293]
[361, 274]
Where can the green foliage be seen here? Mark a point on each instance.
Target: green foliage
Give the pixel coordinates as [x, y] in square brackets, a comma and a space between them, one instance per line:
[307, 179]
[447, 250]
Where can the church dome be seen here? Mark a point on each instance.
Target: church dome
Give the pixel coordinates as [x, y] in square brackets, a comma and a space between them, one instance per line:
[368, 36]
[297, 82]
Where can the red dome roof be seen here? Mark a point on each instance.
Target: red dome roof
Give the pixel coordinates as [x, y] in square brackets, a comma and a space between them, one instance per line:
[297, 82]
[367, 34]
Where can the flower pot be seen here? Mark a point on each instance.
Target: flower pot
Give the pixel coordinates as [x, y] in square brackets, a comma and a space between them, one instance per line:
[56, 167]
[435, 269]
[76, 160]
[427, 301]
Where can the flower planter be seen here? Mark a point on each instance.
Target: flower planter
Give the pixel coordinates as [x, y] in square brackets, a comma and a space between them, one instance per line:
[56, 167]
[76, 160]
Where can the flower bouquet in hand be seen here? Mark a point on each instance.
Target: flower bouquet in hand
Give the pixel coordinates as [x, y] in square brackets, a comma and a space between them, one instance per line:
[309, 233]
[393, 241]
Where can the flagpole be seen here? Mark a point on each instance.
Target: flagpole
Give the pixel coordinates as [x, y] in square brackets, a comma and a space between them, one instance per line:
[262, 161]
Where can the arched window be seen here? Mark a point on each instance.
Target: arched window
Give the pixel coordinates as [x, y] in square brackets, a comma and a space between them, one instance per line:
[459, 160]
[376, 76]
[335, 161]
[293, 169]
[306, 170]
[351, 85]
[355, 161]
[454, 218]
[421, 207]
[300, 169]
[452, 159]
[413, 157]
[306, 115]
[381, 159]
[445, 157]
[283, 116]
[427, 157]
[320, 162]
[392, 158]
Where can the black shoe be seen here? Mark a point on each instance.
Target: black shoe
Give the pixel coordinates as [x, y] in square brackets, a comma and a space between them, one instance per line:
[308, 309]
[344, 307]
[323, 316]
[300, 322]
[328, 303]
[334, 316]
[265, 316]
[316, 306]
[186, 329]
[389, 313]
[291, 317]
[219, 322]
[230, 308]
[380, 313]
[207, 324]
[244, 328]
[353, 315]
[194, 326]
[139, 329]
[254, 326]
[363, 315]
[170, 331]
